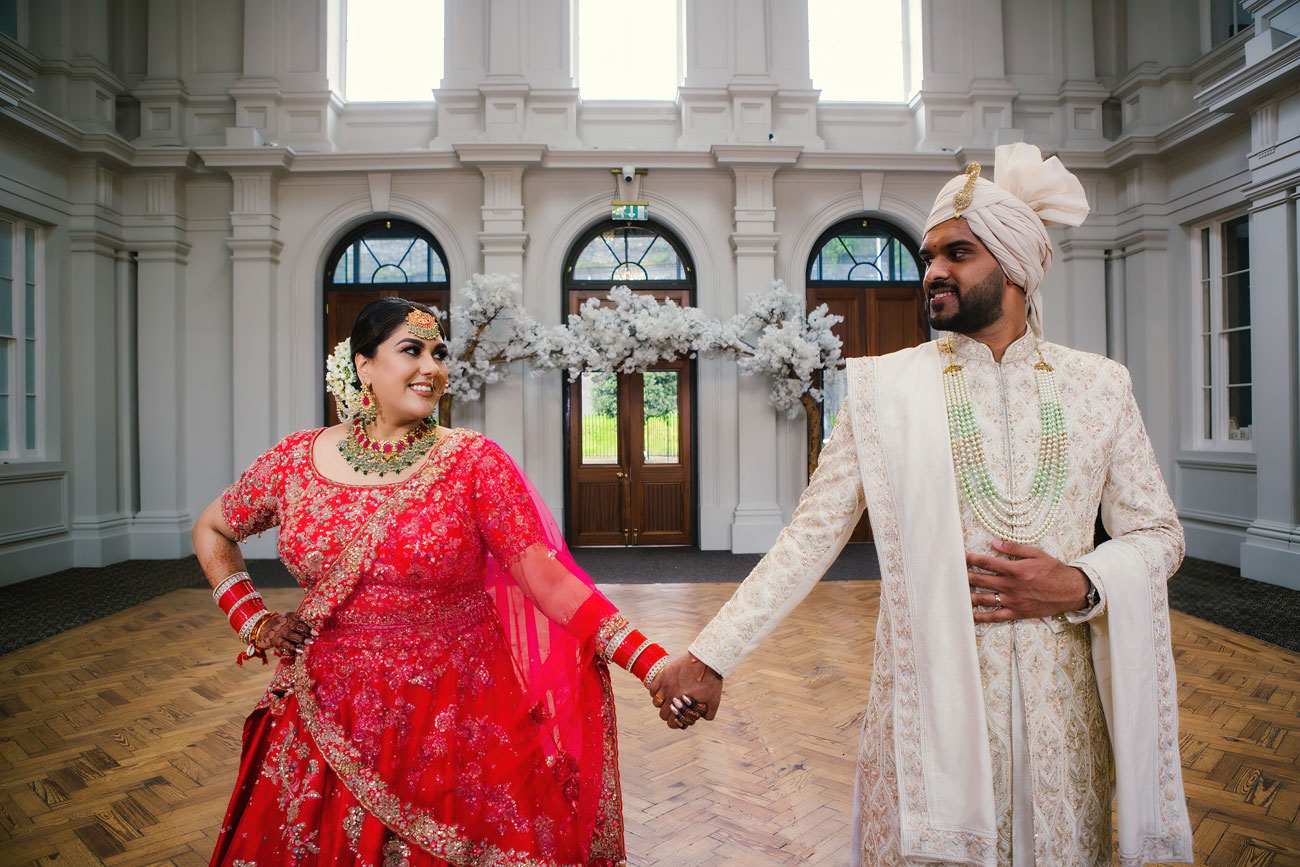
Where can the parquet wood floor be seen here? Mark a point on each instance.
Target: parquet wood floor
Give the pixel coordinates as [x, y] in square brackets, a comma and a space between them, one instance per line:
[119, 739]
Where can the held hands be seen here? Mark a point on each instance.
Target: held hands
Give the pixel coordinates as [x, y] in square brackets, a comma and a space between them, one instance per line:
[286, 634]
[686, 691]
[1034, 584]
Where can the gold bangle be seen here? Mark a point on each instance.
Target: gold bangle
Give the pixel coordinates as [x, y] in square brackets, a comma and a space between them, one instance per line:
[257, 630]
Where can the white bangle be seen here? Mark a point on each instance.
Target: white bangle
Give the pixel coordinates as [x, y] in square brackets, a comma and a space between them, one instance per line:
[227, 584]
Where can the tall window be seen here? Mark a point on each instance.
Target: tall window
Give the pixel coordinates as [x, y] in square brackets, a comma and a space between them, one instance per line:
[627, 49]
[855, 49]
[394, 51]
[20, 320]
[1224, 410]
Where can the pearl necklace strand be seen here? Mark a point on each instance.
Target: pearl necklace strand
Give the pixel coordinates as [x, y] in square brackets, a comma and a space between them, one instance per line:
[1017, 519]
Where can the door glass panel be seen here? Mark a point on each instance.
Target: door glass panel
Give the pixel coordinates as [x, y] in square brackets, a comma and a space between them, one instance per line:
[599, 419]
[659, 389]
[835, 384]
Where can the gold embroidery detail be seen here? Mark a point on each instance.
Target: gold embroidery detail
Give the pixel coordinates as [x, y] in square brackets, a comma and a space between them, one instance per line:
[962, 200]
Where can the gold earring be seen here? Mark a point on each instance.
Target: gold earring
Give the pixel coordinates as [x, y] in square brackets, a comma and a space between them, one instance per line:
[369, 405]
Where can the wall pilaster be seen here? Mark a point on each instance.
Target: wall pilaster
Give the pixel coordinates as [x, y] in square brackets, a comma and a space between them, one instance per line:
[504, 240]
[1077, 296]
[758, 517]
[290, 89]
[1149, 349]
[1271, 551]
[508, 74]
[161, 527]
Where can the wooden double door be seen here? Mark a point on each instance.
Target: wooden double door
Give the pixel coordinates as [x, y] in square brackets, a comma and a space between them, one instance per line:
[630, 464]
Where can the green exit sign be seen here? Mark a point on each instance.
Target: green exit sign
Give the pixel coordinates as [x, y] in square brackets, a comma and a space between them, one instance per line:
[631, 211]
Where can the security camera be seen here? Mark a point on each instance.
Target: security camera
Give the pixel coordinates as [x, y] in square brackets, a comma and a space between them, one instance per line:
[629, 172]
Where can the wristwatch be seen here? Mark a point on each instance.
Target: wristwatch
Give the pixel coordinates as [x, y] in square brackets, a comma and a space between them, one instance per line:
[1094, 596]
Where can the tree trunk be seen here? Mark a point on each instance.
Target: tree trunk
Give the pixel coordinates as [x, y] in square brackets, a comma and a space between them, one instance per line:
[813, 410]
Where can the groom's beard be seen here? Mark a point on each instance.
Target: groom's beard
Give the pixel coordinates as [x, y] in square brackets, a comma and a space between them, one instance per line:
[977, 307]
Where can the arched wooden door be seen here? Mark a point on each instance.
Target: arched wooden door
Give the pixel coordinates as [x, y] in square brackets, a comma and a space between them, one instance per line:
[868, 271]
[629, 437]
[383, 257]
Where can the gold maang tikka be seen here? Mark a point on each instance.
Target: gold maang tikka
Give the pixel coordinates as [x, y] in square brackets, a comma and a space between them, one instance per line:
[423, 325]
[962, 200]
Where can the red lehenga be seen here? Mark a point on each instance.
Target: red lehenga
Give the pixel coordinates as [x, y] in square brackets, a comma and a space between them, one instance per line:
[445, 714]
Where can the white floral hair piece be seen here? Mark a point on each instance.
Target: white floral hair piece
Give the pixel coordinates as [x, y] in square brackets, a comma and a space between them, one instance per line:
[340, 374]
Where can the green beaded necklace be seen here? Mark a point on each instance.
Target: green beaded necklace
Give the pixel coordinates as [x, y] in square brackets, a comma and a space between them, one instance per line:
[367, 455]
[1020, 519]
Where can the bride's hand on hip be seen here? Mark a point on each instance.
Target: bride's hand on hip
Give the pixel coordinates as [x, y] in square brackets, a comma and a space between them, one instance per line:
[286, 634]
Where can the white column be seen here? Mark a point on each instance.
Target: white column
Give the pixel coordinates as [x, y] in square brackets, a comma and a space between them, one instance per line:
[1076, 298]
[98, 524]
[1081, 95]
[161, 527]
[1116, 335]
[128, 429]
[1150, 348]
[257, 92]
[758, 516]
[260, 336]
[162, 95]
[1271, 551]
[504, 241]
[709, 60]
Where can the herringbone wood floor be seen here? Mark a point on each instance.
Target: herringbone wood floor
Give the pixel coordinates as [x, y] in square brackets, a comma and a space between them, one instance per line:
[119, 739]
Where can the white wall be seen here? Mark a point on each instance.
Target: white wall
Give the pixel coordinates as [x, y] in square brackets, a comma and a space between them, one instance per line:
[195, 162]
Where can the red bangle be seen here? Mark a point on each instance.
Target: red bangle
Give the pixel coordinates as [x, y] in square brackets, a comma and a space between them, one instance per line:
[245, 614]
[647, 660]
[234, 593]
[627, 648]
[250, 602]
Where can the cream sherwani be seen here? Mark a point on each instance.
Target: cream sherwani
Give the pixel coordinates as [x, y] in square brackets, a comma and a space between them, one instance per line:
[988, 744]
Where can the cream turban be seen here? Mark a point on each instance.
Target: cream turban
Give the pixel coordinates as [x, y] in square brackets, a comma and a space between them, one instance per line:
[1008, 215]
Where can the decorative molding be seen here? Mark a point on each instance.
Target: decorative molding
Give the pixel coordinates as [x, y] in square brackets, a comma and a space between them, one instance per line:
[949, 163]
[276, 158]
[599, 159]
[381, 188]
[1218, 464]
[503, 243]
[164, 251]
[756, 154]
[1237, 91]
[41, 530]
[1214, 518]
[872, 185]
[403, 161]
[510, 152]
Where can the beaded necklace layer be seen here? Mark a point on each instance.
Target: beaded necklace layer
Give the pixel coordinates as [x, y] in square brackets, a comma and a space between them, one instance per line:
[1017, 519]
[367, 455]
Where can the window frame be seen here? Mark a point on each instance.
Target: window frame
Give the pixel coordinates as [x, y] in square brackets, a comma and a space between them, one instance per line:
[681, 291]
[19, 432]
[1207, 265]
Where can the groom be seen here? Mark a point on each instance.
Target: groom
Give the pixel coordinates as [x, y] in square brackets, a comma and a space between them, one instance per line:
[1007, 647]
